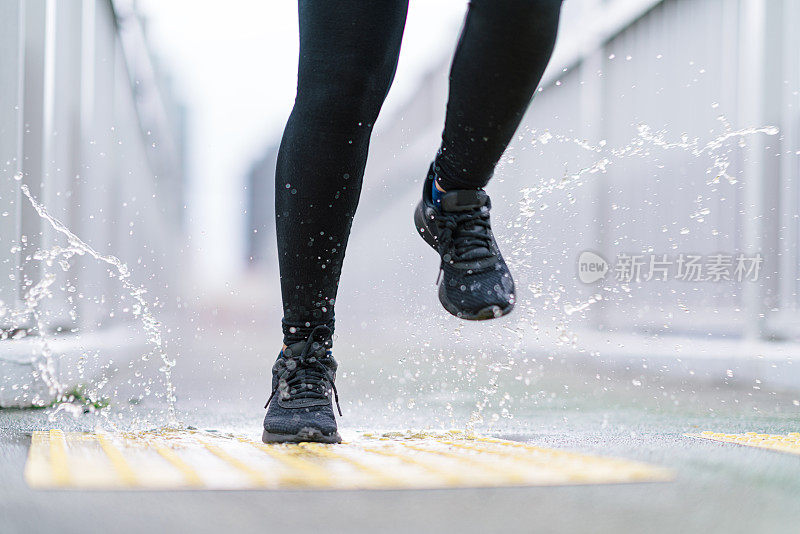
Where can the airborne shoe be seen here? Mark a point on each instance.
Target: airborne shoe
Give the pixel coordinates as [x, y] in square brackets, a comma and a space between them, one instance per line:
[300, 407]
[474, 281]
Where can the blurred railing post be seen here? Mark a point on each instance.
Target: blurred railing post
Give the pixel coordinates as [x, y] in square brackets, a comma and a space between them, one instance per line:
[789, 319]
[93, 187]
[33, 146]
[12, 45]
[760, 81]
[751, 94]
[61, 137]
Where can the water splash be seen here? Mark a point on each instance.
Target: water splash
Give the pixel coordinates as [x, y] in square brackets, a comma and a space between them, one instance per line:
[498, 370]
[569, 309]
[639, 146]
[546, 295]
[120, 270]
[532, 201]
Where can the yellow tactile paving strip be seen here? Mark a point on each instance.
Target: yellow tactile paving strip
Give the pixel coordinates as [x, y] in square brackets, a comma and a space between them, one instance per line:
[775, 442]
[191, 459]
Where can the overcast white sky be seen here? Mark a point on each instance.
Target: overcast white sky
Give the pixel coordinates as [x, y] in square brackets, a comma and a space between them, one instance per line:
[235, 65]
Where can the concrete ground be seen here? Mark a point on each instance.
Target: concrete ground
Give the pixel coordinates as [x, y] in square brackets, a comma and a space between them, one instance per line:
[566, 403]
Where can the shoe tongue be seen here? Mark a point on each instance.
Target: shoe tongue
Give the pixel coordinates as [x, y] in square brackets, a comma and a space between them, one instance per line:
[464, 200]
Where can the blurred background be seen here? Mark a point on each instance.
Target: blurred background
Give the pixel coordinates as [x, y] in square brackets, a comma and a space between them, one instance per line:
[139, 286]
[150, 129]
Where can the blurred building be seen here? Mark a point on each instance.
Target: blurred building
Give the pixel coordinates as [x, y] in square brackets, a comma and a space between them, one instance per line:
[89, 125]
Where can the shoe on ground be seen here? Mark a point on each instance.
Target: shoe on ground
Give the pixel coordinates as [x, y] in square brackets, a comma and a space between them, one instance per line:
[300, 407]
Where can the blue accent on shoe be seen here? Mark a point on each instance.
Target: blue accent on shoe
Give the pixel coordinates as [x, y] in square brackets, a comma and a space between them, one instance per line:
[436, 195]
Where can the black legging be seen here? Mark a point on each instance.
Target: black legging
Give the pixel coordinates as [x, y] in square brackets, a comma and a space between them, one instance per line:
[348, 56]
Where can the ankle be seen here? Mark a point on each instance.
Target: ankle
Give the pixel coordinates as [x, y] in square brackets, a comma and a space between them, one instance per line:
[297, 331]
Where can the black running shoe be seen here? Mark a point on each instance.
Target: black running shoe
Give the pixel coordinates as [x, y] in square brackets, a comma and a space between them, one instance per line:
[300, 406]
[475, 283]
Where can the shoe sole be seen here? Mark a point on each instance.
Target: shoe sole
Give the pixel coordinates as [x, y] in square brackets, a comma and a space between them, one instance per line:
[484, 314]
[306, 434]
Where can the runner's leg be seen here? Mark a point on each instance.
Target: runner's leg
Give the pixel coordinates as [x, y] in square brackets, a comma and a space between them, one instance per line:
[348, 56]
[504, 48]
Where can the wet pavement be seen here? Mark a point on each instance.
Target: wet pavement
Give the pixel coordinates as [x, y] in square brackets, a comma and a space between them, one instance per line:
[569, 403]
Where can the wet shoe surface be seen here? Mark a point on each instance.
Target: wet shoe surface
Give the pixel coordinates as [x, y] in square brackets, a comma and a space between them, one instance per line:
[300, 407]
[475, 282]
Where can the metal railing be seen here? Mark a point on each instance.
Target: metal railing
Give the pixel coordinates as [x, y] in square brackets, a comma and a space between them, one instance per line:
[87, 125]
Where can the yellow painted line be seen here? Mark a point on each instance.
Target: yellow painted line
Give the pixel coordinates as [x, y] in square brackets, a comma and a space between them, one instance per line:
[189, 474]
[255, 476]
[304, 472]
[38, 471]
[555, 454]
[527, 447]
[542, 454]
[563, 463]
[174, 459]
[378, 475]
[492, 470]
[447, 476]
[789, 443]
[58, 458]
[118, 461]
[552, 466]
[494, 452]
